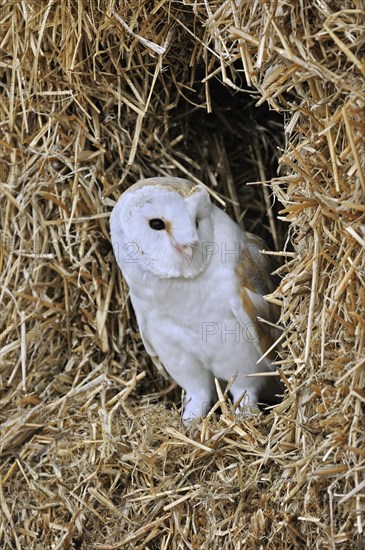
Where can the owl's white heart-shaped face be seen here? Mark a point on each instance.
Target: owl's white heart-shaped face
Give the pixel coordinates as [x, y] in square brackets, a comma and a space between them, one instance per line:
[162, 224]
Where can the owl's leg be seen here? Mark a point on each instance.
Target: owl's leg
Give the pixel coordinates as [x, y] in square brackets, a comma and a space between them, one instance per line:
[199, 393]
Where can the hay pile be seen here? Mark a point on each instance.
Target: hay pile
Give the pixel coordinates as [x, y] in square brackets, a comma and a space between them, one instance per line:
[93, 97]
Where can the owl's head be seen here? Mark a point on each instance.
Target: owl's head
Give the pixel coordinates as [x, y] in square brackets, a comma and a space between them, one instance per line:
[161, 224]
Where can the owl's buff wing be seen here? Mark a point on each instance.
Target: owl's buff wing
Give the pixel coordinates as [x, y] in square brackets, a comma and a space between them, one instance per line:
[255, 281]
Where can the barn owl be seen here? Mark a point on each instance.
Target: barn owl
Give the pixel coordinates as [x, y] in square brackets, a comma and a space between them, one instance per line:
[196, 283]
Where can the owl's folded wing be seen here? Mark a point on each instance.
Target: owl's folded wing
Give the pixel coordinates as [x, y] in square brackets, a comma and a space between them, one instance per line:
[151, 352]
[255, 280]
[147, 345]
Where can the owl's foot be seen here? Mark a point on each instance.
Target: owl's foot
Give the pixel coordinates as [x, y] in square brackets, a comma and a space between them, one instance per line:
[195, 406]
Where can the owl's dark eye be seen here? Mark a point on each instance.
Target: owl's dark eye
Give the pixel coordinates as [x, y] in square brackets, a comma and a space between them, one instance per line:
[157, 224]
[197, 223]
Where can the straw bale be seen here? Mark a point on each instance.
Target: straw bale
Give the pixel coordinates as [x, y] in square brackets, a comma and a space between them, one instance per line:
[95, 95]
